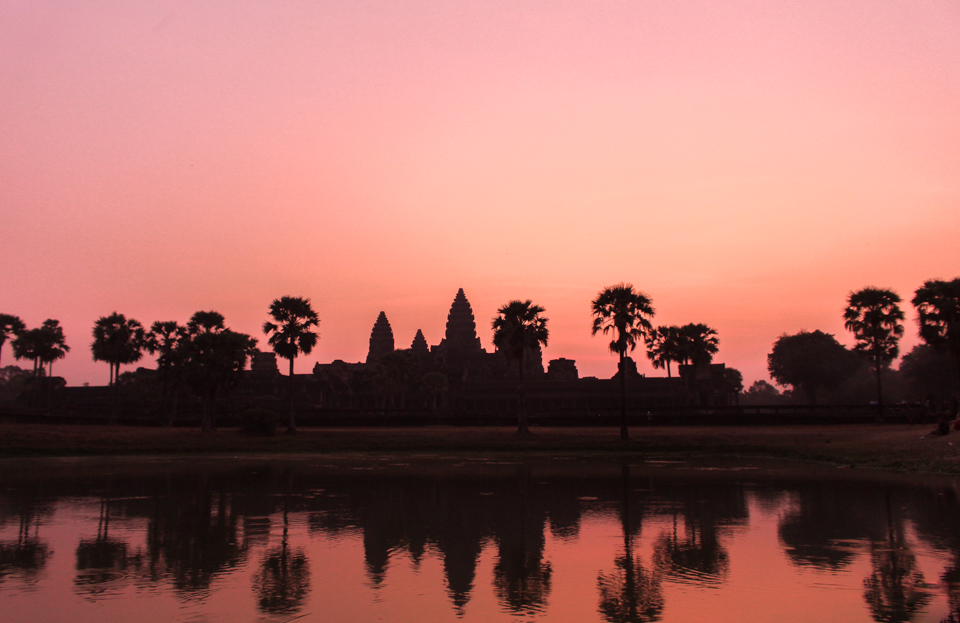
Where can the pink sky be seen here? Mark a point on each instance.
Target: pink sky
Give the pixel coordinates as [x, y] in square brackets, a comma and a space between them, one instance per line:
[746, 164]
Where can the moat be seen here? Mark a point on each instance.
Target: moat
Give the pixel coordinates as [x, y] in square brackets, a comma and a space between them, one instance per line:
[401, 538]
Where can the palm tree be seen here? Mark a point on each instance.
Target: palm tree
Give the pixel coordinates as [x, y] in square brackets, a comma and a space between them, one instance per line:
[10, 326]
[292, 335]
[698, 343]
[117, 340]
[215, 356]
[664, 346]
[876, 320]
[938, 307]
[168, 340]
[625, 312]
[42, 345]
[519, 327]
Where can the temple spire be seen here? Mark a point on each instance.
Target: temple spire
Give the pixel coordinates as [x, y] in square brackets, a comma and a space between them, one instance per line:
[461, 331]
[381, 339]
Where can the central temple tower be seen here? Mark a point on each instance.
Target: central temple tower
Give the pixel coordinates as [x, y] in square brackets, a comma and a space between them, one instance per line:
[461, 334]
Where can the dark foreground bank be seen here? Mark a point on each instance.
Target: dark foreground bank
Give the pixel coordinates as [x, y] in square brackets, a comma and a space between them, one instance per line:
[894, 446]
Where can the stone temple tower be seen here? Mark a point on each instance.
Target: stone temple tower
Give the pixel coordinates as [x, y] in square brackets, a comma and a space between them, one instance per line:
[461, 332]
[381, 339]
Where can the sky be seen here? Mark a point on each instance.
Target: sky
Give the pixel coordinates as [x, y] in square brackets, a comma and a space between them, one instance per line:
[746, 164]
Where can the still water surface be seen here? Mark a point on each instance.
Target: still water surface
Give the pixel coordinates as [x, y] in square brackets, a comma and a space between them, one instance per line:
[473, 540]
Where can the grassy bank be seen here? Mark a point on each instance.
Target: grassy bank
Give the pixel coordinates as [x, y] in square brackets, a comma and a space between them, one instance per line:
[890, 446]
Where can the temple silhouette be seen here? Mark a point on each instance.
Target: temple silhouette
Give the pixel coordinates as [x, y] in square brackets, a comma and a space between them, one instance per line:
[460, 378]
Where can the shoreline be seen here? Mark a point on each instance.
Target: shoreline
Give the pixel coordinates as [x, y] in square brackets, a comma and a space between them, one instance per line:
[891, 446]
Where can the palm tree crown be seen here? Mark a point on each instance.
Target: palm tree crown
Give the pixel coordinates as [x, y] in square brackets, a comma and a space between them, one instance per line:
[519, 327]
[876, 320]
[699, 343]
[664, 346]
[626, 312]
[291, 333]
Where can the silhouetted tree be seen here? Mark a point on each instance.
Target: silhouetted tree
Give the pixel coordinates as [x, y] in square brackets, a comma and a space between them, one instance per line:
[291, 334]
[926, 370]
[938, 307]
[733, 383]
[761, 393]
[170, 343]
[664, 347]
[117, 341]
[625, 312]
[217, 356]
[519, 327]
[698, 344]
[10, 326]
[42, 345]
[876, 320]
[809, 361]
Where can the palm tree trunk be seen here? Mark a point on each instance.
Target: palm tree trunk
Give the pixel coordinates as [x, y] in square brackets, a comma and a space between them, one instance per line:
[291, 422]
[879, 390]
[624, 435]
[523, 428]
[669, 376]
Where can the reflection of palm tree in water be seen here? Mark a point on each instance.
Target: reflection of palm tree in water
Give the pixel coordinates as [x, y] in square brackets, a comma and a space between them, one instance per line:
[101, 559]
[699, 554]
[896, 589]
[27, 556]
[284, 577]
[630, 593]
[521, 576]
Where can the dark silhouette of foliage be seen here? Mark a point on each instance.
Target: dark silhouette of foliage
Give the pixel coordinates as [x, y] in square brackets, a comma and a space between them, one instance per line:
[626, 313]
[519, 328]
[216, 357]
[283, 581]
[42, 345]
[117, 341]
[733, 382]
[290, 335]
[938, 306]
[434, 385]
[876, 320]
[170, 343]
[809, 362]
[761, 393]
[698, 344]
[926, 372]
[10, 326]
[664, 347]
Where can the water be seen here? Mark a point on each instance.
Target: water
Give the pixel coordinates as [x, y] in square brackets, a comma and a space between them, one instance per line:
[340, 539]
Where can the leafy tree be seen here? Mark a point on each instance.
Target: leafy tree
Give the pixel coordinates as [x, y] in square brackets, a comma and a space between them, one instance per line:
[733, 382]
[938, 307]
[216, 357]
[519, 328]
[876, 320]
[292, 334]
[664, 346]
[810, 361]
[926, 372]
[698, 343]
[626, 313]
[117, 341]
[42, 345]
[169, 342]
[10, 326]
[761, 393]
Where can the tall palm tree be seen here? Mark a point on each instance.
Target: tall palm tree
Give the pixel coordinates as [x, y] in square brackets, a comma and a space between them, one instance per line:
[876, 320]
[116, 341]
[519, 327]
[292, 334]
[664, 347]
[10, 326]
[626, 312]
[169, 341]
[938, 308]
[53, 344]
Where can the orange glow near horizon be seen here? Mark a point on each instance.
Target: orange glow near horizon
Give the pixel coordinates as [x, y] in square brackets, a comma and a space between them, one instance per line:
[745, 164]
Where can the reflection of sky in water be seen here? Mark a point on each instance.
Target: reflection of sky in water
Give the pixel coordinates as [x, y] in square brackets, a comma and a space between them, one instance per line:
[435, 545]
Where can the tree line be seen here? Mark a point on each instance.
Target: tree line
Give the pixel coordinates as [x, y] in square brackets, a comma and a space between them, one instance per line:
[208, 356]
